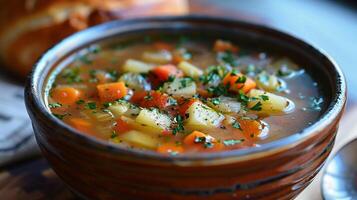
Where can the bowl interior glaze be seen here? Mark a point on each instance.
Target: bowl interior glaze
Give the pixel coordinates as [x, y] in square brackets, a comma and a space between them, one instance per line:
[317, 63]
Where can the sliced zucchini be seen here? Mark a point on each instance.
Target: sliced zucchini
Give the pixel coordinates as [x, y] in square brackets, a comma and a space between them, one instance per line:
[153, 119]
[140, 139]
[180, 87]
[200, 116]
[190, 70]
[136, 66]
[268, 103]
[135, 81]
[159, 57]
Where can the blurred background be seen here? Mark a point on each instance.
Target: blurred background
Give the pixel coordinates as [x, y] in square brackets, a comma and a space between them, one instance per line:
[29, 27]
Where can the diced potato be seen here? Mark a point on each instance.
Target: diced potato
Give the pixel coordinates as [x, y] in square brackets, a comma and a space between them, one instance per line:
[225, 104]
[158, 57]
[140, 139]
[136, 66]
[269, 103]
[190, 70]
[270, 82]
[154, 119]
[180, 87]
[201, 117]
[99, 116]
[135, 81]
[119, 108]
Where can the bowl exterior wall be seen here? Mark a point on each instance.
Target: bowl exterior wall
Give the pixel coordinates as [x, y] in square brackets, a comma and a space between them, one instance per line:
[98, 174]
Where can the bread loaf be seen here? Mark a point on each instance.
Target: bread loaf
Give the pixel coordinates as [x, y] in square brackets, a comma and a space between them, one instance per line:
[29, 27]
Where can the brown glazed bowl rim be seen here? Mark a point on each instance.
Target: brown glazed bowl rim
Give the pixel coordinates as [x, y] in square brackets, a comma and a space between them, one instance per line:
[35, 84]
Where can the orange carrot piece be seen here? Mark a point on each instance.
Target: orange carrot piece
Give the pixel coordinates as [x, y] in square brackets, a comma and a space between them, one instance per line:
[250, 127]
[184, 106]
[65, 95]
[221, 46]
[234, 86]
[80, 124]
[111, 91]
[190, 139]
[170, 148]
[163, 46]
[157, 99]
[122, 126]
[163, 72]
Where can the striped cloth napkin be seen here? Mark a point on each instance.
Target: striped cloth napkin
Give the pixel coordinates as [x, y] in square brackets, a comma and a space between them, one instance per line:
[17, 140]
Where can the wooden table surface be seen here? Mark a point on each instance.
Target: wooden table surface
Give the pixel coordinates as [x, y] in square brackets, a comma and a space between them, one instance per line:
[326, 24]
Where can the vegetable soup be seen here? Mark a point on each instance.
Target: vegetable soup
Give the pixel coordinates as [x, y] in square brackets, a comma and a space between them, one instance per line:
[184, 95]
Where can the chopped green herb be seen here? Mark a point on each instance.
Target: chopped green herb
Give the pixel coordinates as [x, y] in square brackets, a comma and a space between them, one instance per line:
[107, 105]
[232, 142]
[264, 97]
[114, 135]
[244, 99]
[241, 79]
[234, 72]
[218, 90]
[91, 105]
[113, 74]
[236, 125]
[179, 125]
[216, 101]
[257, 106]
[79, 102]
[227, 58]
[72, 75]
[284, 71]
[59, 116]
[54, 105]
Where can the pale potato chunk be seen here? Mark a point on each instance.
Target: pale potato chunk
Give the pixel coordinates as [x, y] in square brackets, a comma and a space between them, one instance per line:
[140, 139]
[136, 66]
[225, 104]
[201, 117]
[159, 57]
[269, 103]
[135, 81]
[180, 87]
[119, 108]
[190, 70]
[153, 119]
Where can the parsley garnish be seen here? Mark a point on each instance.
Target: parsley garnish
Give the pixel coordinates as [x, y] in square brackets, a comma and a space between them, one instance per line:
[179, 125]
[114, 135]
[54, 105]
[216, 101]
[59, 116]
[232, 142]
[236, 125]
[218, 90]
[113, 74]
[91, 105]
[257, 106]
[72, 75]
[227, 57]
[79, 102]
[107, 105]
[244, 99]
[241, 79]
[264, 97]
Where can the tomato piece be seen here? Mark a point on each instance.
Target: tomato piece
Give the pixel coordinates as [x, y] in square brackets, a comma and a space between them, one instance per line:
[163, 72]
[150, 99]
[122, 126]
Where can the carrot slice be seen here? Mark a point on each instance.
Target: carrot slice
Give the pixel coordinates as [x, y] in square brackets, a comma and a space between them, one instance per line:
[170, 148]
[150, 99]
[250, 128]
[191, 138]
[65, 95]
[234, 85]
[163, 46]
[80, 124]
[111, 91]
[184, 106]
[221, 46]
[163, 72]
[122, 126]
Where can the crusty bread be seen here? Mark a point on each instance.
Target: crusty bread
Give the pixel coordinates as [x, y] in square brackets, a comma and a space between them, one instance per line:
[29, 27]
